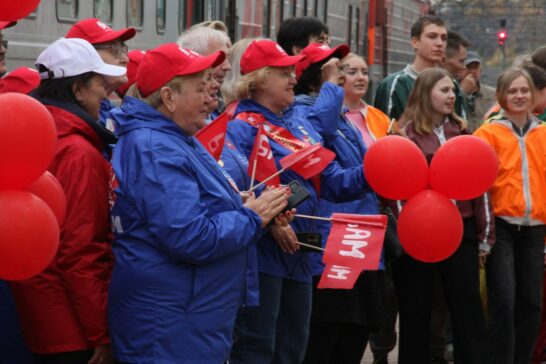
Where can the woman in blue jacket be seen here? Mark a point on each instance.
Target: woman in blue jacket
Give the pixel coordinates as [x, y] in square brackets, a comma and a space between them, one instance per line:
[181, 228]
[341, 320]
[277, 330]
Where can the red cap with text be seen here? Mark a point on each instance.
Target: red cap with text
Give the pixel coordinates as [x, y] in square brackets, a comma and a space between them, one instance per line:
[266, 53]
[95, 31]
[21, 80]
[317, 52]
[162, 64]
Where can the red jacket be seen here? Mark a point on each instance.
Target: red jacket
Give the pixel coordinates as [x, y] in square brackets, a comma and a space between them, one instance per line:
[64, 308]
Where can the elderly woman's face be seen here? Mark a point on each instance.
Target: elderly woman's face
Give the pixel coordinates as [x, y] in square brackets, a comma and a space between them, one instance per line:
[279, 86]
[192, 103]
[91, 94]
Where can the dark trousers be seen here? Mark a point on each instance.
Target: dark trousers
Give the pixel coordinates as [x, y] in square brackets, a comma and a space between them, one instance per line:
[460, 281]
[71, 357]
[336, 342]
[383, 341]
[515, 274]
[278, 329]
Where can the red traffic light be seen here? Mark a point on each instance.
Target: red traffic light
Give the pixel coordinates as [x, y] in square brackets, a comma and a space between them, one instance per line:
[502, 35]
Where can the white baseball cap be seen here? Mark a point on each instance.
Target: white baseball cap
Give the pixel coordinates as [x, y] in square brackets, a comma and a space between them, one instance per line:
[68, 57]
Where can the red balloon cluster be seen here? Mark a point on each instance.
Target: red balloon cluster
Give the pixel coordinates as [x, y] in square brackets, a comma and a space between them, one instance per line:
[430, 227]
[32, 201]
[14, 10]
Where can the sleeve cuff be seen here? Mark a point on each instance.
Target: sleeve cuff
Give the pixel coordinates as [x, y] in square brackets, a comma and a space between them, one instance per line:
[486, 247]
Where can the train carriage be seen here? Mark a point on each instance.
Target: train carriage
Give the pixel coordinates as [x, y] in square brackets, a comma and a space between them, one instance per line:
[377, 29]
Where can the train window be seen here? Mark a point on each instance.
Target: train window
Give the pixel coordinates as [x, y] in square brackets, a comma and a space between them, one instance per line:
[103, 9]
[160, 16]
[266, 26]
[135, 13]
[214, 9]
[321, 10]
[357, 30]
[181, 15]
[190, 12]
[67, 10]
[349, 25]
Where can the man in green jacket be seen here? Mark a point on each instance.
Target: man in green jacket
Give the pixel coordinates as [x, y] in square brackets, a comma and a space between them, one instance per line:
[428, 39]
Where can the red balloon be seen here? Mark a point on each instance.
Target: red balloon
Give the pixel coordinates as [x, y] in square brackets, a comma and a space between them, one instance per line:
[430, 227]
[465, 167]
[396, 168]
[50, 190]
[11, 10]
[28, 139]
[29, 235]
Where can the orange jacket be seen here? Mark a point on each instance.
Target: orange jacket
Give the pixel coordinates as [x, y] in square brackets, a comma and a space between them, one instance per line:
[519, 192]
[377, 122]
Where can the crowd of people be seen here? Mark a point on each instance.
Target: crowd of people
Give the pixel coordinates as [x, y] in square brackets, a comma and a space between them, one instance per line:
[169, 255]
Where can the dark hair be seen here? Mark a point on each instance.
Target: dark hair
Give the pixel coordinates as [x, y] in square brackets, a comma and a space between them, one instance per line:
[539, 57]
[296, 32]
[310, 80]
[538, 75]
[420, 24]
[61, 88]
[454, 42]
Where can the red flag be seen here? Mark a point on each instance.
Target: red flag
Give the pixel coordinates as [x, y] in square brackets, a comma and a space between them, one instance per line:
[262, 156]
[308, 162]
[355, 243]
[213, 135]
[338, 276]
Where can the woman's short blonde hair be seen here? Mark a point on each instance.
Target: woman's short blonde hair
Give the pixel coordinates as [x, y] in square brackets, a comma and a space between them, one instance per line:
[250, 82]
[505, 80]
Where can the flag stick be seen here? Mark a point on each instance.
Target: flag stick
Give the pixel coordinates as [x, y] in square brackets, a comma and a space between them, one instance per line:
[313, 217]
[253, 173]
[265, 180]
[311, 246]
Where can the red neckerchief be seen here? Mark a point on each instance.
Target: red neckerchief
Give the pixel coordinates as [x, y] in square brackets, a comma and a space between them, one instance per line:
[280, 135]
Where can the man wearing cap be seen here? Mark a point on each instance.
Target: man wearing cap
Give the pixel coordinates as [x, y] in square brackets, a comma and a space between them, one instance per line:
[67, 324]
[111, 46]
[182, 230]
[479, 97]
[206, 41]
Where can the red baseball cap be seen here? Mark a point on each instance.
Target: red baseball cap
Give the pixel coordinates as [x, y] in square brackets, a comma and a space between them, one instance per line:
[162, 64]
[266, 53]
[21, 80]
[135, 57]
[317, 52]
[7, 24]
[95, 31]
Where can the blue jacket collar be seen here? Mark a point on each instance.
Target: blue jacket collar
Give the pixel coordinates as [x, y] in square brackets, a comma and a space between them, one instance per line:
[305, 99]
[249, 105]
[135, 114]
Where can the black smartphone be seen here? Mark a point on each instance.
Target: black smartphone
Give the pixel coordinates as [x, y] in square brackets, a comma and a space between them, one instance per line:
[297, 196]
[311, 238]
